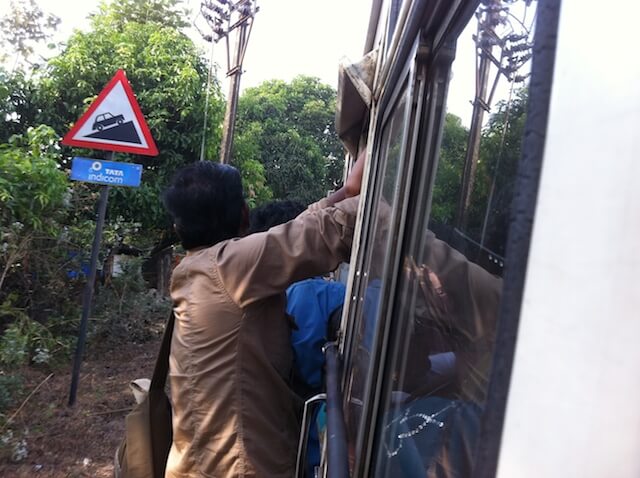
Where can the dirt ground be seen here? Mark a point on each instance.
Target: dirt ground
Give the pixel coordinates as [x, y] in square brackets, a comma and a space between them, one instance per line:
[65, 442]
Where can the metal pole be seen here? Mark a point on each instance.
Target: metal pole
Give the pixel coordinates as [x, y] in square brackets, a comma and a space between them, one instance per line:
[479, 107]
[228, 126]
[206, 105]
[337, 455]
[235, 73]
[505, 129]
[237, 15]
[88, 290]
[473, 146]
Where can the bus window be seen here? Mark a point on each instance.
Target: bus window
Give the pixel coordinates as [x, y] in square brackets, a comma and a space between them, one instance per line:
[389, 153]
[449, 283]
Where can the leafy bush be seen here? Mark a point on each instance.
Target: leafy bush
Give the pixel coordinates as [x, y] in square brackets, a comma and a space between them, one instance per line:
[9, 386]
[32, 194]
[126, 311]
[28, 341]
[32, 186]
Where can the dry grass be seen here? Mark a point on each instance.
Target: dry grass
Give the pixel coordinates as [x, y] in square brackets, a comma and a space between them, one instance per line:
[76, 442]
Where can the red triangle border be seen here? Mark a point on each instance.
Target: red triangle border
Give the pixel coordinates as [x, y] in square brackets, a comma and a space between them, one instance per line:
[150, 150]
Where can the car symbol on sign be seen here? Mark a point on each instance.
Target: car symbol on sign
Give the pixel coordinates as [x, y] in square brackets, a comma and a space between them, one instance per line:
[106, 119]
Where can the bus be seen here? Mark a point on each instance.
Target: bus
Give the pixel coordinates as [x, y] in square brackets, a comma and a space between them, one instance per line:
[490, 324]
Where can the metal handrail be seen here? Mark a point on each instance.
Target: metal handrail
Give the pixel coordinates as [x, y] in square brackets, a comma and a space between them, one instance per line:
[337, 454]
[304, 432]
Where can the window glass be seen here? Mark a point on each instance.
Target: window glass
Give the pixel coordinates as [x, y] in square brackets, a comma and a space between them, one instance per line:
[449, 288]
[394, 11]
[390, 154]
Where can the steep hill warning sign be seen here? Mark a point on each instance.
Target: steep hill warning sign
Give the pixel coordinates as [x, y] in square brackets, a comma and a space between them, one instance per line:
[113, 122]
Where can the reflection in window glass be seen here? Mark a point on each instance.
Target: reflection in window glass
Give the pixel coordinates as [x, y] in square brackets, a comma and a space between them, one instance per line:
[390, 153]
[450, 287]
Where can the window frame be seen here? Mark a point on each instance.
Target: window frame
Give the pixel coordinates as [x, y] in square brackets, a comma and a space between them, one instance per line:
[519, 240]
[404, 89]
[428, 119]
[430, 66]
[427, 135]
[438, 25]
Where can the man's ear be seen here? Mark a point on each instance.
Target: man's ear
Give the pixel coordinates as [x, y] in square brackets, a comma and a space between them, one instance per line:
[244, 221]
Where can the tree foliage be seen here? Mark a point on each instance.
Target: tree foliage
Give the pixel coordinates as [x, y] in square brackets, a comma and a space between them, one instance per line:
[116, 15]
[18, 104]
[495, 175]
[24, 25]
[168, 76]
[289, 129]
[47, 222]
[500, 151]
[246, 149]
[447, 187]
[33, 193]
[32, 186]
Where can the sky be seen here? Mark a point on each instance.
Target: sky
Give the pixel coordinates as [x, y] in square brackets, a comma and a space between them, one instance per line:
[289, 37]
[293, 37]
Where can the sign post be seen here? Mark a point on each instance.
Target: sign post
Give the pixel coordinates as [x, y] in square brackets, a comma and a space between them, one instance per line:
[87, 295]
[113, 122]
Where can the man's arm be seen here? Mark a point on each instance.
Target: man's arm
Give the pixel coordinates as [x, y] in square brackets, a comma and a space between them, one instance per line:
[353, 183]
[266, 263]
[316, 242]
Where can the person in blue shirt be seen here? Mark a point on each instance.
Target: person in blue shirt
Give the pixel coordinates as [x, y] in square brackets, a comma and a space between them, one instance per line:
[311, 303]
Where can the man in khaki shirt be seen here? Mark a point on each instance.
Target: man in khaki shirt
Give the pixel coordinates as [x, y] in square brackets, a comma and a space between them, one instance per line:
[234, 414]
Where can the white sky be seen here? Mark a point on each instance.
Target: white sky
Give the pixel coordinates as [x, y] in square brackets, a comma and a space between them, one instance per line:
[292, 37]
[289, 37]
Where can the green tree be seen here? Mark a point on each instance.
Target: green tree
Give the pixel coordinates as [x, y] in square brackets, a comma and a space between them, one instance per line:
[246, 149]
[32, 186]
[32, 194]
[290, 130]
[24, 25]
[169, 13]
[500, 151]
[168, 75]
[18, 103]
[449, 176]
[495, 176]
[34, 200]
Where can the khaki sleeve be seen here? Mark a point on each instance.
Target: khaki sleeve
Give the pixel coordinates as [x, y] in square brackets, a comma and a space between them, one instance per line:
[263, 264]
[474, 293]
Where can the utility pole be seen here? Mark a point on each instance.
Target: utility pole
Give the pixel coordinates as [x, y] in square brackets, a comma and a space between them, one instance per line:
[225, 17]
[488, 19]
[514, 49]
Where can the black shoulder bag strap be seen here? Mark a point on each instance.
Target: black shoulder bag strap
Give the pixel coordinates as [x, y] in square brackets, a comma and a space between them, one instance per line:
[161, 368]
[159, 411]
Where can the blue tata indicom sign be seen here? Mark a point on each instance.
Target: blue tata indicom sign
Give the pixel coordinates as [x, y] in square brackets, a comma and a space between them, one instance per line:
[110, 173]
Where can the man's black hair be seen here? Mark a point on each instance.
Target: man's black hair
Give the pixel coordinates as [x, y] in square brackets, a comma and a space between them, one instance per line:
[273, 214]
[205, 201]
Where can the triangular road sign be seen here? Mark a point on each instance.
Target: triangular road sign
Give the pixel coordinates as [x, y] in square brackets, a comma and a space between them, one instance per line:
[113, 122]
